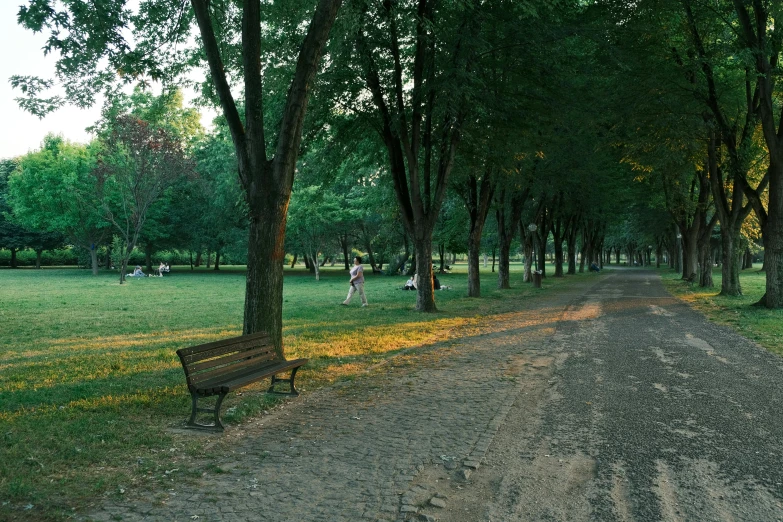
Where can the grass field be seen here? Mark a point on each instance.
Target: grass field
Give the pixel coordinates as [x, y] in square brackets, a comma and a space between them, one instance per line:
[756, 323]
[91, 390]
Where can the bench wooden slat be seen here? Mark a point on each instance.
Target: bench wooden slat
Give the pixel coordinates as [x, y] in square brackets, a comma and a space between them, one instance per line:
[223, 372]
[260, 354]
[241, 379]
[217, 348]
[216, 381]
[223, 342]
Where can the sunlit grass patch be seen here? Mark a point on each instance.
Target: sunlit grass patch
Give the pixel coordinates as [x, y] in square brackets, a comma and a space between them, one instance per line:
[91, 387]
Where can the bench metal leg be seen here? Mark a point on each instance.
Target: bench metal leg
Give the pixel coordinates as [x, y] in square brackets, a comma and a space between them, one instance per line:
[275, 380]
[217, 426]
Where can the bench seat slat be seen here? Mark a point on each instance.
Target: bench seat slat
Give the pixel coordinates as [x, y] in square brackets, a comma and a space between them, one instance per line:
[229, 382]
[222, 373]
[260, 354]
[251, 377]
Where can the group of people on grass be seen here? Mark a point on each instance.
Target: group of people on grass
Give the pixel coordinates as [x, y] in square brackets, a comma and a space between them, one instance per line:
[357, 283]
[413, 283]
[163, 268]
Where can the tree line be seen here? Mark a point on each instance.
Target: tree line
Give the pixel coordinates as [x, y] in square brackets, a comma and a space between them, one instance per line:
[641, 127]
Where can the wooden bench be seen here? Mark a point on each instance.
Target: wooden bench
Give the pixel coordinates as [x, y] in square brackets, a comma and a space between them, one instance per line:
[221, 367]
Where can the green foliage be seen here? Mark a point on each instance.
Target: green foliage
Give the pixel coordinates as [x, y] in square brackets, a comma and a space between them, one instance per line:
[53, 190]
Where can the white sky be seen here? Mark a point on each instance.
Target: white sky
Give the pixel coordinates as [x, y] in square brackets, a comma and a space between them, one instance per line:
[21, 132]
[22, 54]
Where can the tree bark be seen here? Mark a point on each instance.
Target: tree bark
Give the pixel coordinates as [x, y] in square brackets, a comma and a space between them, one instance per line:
[94, 260]
[344, 246]
[477, 196]
[507, 223]
[425, 296]
[557, 237]
[528, 242]
[217, 260]
[571, 241]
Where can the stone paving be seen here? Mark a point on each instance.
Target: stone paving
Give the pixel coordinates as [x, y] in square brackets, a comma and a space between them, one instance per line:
[352, 451]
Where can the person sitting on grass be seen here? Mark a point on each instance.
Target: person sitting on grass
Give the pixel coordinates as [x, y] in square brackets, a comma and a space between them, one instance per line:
[161, 269]
[409, 285]
[137, 272]
[594, 267]
[437, 285]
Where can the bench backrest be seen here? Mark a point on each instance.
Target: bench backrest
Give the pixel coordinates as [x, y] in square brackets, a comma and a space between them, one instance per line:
[225, 357]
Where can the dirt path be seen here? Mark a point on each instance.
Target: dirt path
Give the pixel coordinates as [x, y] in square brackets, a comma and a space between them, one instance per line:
[607, 401]
[652, 414]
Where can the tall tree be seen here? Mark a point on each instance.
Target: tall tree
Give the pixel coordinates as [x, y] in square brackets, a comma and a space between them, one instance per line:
[136, 164]
[761, 33]
[239, 43]
[53, 190]
[415, 59]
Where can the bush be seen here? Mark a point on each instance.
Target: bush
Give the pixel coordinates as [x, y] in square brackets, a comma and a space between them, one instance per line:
[68, 256]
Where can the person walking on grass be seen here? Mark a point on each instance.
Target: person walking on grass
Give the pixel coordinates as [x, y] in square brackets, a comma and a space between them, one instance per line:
[357, 281]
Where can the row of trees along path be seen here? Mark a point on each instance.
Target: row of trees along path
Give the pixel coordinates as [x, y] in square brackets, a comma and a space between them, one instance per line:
[610, 126]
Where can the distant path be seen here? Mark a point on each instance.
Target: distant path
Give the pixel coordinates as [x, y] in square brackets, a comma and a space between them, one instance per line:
[606, 400]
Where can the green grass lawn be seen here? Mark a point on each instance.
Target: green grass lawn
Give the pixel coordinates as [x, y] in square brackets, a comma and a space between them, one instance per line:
[91, 388]
[756, 323]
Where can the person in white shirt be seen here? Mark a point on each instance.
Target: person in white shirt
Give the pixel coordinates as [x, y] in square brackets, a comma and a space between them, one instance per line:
[357, 282]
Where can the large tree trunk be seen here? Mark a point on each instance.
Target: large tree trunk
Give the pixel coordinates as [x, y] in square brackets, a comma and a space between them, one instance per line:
[344, 246]
[477, 197]
[690, 256]
[772, 235]
[705, 265]
[264, 285]
[217, 260]
[474, 251]
[425, 295]
[528, 277]
[504, 263]
[94, 260]
[373, 265]
[557, 237]
[571, 240]
[507, 225]
[730, 241]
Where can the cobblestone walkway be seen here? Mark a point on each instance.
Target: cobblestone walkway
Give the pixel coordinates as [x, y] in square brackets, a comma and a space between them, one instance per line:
[353, 451]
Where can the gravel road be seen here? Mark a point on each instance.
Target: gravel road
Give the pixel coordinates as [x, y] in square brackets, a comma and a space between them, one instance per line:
[651, 413]
[607, 400]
